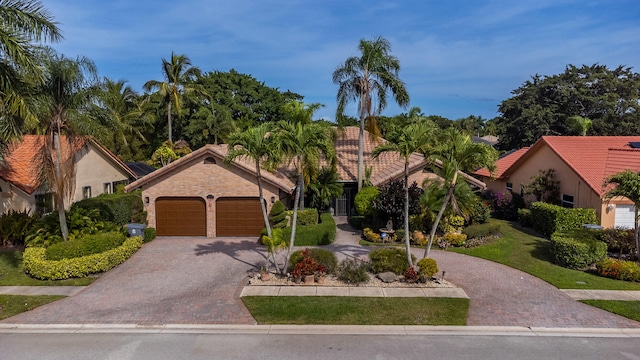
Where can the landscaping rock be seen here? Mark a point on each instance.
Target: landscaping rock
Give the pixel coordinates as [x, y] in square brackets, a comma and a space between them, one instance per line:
[387, 277]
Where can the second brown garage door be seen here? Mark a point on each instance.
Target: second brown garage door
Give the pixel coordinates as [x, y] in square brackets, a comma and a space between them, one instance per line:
[181, 217]
[238, 217]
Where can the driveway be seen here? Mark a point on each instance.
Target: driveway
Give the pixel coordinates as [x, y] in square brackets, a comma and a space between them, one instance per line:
[170, 280]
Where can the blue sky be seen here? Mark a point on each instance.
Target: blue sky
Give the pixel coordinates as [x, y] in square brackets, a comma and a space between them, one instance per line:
[457, 58]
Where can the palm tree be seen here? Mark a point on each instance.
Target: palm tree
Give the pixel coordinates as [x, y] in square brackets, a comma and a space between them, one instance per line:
[365, 79]
[304, 146]
[326, 186]
[457, 153]
[178, 77]
[22, 22]
[65, 98]
[579, 124]
[626, 184]
[414, 138]
[118, 109]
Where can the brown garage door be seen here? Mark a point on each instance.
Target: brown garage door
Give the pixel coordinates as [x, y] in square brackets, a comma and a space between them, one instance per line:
[238, 217]
[181, 217]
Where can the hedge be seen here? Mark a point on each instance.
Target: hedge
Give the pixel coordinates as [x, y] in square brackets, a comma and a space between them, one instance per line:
[120, 209]
[87, 245]
[313, 235]
[307, 217]
[36, 265]
[548, 218]
[149, 234]
[577, 249]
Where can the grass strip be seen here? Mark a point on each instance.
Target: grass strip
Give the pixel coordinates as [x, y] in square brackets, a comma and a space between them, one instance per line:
[15, 304]
[12, 273]
[628, 309]
[329, 310]
[521, 249]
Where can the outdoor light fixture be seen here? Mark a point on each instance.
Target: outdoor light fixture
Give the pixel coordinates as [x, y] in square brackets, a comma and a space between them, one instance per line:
[273, 199]
[210, 197]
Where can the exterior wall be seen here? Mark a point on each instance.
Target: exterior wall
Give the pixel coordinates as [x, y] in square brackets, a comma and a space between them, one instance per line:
[197, 179]
[12, 198]
[94, 169]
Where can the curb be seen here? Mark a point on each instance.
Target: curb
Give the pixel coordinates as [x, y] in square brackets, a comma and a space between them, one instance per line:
[380, 330]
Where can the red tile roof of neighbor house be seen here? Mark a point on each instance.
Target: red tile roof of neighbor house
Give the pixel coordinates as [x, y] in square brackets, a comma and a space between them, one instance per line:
[22, 168]
[593, 158]
[503, 163]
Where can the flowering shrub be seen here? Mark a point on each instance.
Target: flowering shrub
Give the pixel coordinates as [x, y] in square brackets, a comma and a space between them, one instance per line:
[307, 266]
[504, 207]
[410, 274]
[370, 235]
[618, 269]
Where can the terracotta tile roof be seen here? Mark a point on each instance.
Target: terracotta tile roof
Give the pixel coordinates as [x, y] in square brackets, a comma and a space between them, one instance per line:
[591, 157]
[21, 164]
[278, 179]
[503, 163]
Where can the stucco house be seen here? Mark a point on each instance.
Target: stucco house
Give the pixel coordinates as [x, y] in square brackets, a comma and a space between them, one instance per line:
[97, 171]
[581, 164]
[198, 195]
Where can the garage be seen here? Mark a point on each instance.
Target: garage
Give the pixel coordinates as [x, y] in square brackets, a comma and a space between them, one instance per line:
[238, 216]
[625, 216]
[181, 216]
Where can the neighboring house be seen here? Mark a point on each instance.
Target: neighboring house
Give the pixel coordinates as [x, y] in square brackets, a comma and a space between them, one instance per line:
[487, 139]
[198, 195]
[581, 164]
[98, 171]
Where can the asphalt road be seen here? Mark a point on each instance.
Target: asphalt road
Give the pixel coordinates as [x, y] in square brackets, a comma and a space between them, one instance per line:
[143, 346]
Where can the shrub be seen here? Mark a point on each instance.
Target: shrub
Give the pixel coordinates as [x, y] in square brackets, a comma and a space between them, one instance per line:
[324, 257]
[356, 221]
[118, 208]
[620, 240]
[453, 239]
[353, 271]
[503, 206]
[389, 259]
[548, 218]
[14, 226]
[481, 230]
[364, 200]
[87, 245]
[452, 224]
[149, 234]
[81, 222]
[278, 215]
[428, 268]
[400, 235]
[410, 274]
[306, 266]
[524, 218]
[577, 249]
[371, 236]
[391, 200]
[308, 217]
[480, 213]
[419, 238]
[323, 233]
[36, 265]
[618, 269]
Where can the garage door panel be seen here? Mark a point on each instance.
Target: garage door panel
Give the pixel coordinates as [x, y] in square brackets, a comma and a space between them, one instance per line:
[625, 216]
[181, 217]
[238, 217]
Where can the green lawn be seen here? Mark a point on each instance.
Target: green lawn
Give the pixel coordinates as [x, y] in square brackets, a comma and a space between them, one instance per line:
[318, 310]
[520, 249]
[15, 304]
[12, 274]
[628, 309]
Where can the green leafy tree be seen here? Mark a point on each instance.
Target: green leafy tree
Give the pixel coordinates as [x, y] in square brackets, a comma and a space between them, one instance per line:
[457, 153]
[626, 184]
[23, 24]
[415, 138]
[579, 124]
[326, 186]
[179, 75]
[545, 187]
[367, 79]
[303, 145]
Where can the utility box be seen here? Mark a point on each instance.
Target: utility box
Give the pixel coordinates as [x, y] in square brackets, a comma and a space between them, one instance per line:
[592, 226]
[135, 230]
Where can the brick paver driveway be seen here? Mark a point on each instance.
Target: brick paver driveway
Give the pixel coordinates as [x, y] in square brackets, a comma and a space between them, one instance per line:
[170, 280]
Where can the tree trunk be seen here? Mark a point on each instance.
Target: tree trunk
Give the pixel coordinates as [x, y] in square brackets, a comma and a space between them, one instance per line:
[432, 234]
[265, 216]
[169, 121]
[62, 217]
[637, 233]
[301, 206]
[406, 211]
[360, 153]
[294, 222]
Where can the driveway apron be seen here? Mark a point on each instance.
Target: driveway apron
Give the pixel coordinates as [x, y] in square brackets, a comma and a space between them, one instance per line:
[171, 280]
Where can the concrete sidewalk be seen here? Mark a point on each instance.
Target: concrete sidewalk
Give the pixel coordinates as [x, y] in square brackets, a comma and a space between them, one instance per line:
[40, 290]
[624, 295]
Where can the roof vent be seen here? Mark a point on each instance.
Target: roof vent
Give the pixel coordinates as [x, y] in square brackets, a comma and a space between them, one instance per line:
[209, 160]
[635, 144]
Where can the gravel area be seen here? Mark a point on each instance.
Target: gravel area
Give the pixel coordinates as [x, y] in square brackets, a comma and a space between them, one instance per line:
[330, 280]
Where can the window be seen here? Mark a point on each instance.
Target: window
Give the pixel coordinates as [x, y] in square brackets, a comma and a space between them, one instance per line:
[86, 192]
[118, 186]
[44, 203]
[567, 201]
[107, 188]
[510, 186]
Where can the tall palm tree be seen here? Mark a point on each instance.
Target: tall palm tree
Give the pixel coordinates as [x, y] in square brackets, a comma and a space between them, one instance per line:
[626, 184]
[304, 146]
[178, 81]
[65, 98]
[256, 144]
[326, 186]
[118, 109]
[22, 23]
[414, 138]
[458, 153]
[579, 124]
[365, 79]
